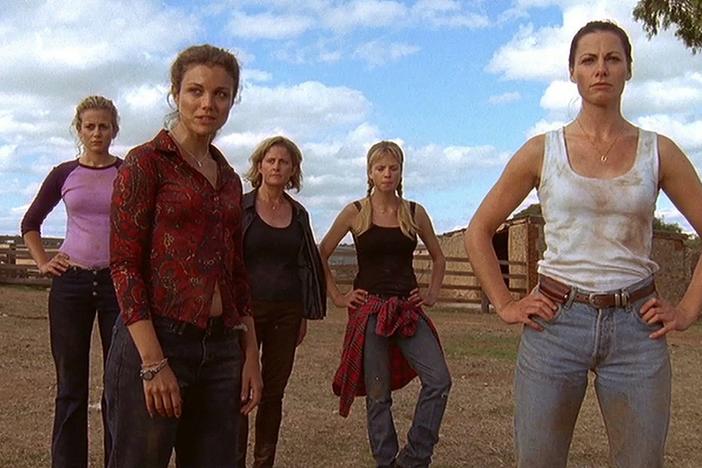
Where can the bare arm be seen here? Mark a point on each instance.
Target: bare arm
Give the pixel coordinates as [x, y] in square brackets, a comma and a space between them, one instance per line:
[252, 384]
[54, 266]
[341, 226]
[680, 182]
[438, 261]
[519, 177]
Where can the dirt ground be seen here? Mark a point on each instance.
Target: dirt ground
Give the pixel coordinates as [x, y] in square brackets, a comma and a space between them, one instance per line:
[477, 428]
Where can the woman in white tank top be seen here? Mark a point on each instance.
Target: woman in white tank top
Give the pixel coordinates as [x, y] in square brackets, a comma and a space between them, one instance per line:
[596, 307]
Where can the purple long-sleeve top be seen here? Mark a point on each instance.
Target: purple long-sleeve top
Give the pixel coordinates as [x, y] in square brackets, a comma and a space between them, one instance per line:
[87, 192]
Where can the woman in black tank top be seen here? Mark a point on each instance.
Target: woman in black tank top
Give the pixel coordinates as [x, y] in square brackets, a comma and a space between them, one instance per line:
[388, 335]
[287, 282]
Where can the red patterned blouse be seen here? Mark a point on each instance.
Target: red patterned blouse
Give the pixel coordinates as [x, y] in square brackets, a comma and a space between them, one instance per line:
[175, 236]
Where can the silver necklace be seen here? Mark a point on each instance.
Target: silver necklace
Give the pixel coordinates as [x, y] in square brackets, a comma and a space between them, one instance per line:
[603, 156]
[274, 204]
[197, 160]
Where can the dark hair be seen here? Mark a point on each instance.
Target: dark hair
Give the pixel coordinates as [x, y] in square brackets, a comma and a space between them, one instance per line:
[253, 176]
[595, 26]
[204, 54]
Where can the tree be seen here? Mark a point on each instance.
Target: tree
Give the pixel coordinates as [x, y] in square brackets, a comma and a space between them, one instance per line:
[661, 14]
[659, 224]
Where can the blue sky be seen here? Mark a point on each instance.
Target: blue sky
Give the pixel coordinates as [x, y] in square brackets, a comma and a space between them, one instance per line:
[460, 84]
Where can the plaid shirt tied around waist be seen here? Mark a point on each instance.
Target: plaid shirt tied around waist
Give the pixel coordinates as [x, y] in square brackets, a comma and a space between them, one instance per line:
[395, 317]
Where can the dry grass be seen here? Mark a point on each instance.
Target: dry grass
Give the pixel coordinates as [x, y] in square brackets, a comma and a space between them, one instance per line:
[477, 429]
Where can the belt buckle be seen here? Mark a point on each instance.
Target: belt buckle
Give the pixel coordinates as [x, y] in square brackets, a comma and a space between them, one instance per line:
[591, 299]
[622, 298]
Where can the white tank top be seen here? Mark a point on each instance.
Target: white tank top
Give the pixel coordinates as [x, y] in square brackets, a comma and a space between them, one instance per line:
[598, 232]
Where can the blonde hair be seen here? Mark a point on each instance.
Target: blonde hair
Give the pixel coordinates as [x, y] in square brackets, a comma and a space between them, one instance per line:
[364, 217]
[89, 103]
[96, 102]
[254, 176]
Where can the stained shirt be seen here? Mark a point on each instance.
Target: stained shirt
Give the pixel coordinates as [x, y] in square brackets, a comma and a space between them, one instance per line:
[175, 236]
[86, 192]
[598, 232]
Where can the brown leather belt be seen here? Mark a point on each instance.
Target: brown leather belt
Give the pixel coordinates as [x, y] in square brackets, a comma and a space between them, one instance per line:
[561, 293]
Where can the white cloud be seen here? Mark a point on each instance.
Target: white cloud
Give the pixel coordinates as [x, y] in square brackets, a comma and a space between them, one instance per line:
[300, 109]
[268, 26]
[253, 75]
[532, 55]
[687, 134]
[447, 13]
[505, 98]
[365, 14]
[377, 53]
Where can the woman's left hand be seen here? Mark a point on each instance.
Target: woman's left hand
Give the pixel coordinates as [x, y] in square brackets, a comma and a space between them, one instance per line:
[302, 332]
[657, 310]
[251, 385]
[417, 298]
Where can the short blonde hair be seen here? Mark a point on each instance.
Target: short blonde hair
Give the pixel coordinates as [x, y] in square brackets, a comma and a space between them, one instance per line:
[254, 176]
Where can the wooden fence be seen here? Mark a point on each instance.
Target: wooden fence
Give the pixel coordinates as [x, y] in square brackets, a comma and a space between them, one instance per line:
[460, 286]
[16, 264]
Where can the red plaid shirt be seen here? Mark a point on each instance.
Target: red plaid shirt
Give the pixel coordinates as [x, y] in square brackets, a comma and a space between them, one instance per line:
[395, 316]
[174, 237]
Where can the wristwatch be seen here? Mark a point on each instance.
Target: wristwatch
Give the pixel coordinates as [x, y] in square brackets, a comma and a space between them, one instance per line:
[150, 372]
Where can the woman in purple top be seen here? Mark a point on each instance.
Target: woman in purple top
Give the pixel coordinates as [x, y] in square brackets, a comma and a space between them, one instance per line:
[81, 283]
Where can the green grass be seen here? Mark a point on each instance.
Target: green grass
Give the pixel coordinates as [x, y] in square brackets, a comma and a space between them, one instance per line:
[483, 345]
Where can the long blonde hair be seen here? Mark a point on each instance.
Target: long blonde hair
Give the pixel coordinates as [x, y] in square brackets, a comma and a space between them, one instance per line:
[364, 217]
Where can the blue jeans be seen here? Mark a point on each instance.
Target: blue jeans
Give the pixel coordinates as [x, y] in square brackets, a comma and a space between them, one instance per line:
[632, 383]
[76, 297]
[207, 364]
[424, 354]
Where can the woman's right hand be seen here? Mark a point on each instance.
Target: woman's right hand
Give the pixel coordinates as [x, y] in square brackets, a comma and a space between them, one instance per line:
[522, 311]
[56, 266]
[353, 298]
[162, 394]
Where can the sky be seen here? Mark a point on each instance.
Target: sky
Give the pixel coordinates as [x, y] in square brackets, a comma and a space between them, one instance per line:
[459, 84]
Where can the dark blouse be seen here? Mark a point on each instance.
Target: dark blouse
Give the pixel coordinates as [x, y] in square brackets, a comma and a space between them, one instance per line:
[270, 255]
[385, 262]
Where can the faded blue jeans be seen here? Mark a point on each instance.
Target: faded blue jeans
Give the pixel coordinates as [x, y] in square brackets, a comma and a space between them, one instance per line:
[207, 365]
[632, 383]
[424, 354]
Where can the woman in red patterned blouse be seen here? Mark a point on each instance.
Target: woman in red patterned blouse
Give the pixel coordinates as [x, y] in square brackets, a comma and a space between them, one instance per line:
[176, 376]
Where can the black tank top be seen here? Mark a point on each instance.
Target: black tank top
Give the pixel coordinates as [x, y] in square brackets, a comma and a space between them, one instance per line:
[385, 260]
[270, 255]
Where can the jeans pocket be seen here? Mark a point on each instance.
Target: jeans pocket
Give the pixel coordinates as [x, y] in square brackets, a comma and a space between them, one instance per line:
[635, 311]
[557, 315]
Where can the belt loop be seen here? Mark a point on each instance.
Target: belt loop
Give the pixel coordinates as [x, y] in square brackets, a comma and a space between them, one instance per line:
[179, 327]
[570, 298]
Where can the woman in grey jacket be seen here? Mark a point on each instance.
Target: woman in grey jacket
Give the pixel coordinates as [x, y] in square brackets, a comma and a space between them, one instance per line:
[287, 281]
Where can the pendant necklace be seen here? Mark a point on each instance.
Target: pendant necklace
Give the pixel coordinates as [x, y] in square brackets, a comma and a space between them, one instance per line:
[274, 204]
[198, 161]
[603, 156]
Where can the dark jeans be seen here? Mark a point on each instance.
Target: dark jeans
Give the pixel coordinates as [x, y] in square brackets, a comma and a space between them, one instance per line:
[75, 298]
[423, 352]
[277, 328]
[207, 364]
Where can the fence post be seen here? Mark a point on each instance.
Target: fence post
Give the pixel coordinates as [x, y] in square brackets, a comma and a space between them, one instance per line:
[484, 303]
[11, 253]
